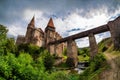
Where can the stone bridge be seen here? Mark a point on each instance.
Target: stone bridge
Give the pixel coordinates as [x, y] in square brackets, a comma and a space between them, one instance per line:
[112, 26]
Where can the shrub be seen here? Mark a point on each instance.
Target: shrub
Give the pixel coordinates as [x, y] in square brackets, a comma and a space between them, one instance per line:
[48, 60]
[96, 66]
[59, 75]
[21, 68]
[70, 62]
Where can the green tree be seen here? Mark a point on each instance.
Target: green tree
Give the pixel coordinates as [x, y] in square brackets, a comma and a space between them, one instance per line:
[10, 45]
[3, 38]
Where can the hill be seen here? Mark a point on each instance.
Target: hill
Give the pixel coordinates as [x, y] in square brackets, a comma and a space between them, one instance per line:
[113, 60]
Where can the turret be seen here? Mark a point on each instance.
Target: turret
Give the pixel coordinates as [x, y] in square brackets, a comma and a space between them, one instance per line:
[49, 33]
[30, 29]
[50, 26]
[32, 23]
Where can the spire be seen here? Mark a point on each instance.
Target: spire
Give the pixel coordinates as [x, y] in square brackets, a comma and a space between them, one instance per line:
[32, 22]
[50, 23]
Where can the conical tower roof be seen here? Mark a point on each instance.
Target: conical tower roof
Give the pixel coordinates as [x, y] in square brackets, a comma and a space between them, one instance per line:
[50, 23]
[32, 22]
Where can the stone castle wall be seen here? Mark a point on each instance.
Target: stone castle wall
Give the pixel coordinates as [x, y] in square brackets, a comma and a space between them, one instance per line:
[37, 37]
[20, 39]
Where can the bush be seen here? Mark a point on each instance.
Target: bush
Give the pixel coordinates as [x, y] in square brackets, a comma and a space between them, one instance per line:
[96, 66]
[70, 62]
[21, 68]
[60, 75]
[48, 60]
[83, 51]
[31, 49]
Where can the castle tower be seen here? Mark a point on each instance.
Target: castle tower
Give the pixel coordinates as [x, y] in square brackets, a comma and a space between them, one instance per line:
[50, 26]
[50, 34]
[32, 22]
[30, 29]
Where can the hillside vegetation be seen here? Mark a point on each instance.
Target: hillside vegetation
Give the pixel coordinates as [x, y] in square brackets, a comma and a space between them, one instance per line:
[106, 65]
[29, 62]
[113, 60]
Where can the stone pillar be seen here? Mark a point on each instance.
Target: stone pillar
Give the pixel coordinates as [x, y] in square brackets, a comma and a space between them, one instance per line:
[48, 47]
[51, 49]
[72, 59]
[59, 49]
[55, 51]
[93, 46]
[114, 27]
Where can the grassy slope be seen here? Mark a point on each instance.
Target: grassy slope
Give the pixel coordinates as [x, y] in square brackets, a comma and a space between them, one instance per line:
[113, 60]
[110, 68]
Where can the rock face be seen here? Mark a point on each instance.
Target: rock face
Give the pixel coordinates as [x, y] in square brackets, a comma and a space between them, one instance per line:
[37, 37]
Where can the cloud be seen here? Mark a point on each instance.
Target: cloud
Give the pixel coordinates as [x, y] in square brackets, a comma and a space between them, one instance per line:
[68, 15]
[15, 30]
[71, 24]
[29, 13]
[76, 21]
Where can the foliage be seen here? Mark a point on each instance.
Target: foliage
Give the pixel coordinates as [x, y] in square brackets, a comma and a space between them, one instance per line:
[83, 54]
[34, 63]
[83, 51]
[3, 32]
[97, 65]
[10, 45]
[48, 60]
[31, 49]
[65, 52]
[104, 44]
[3, 38]
[21, 68]
[60, 75]
[70, 62]
[24, 68]
[83, 57]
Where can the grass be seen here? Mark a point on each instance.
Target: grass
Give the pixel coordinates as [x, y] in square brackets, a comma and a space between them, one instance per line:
[83, 58]
[97, 65]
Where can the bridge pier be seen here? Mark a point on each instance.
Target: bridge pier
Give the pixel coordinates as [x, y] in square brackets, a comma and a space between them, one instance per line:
[55, 49]
[72, 59]
[93, 45]
[59, 50]
[51, 49]
[114, 27]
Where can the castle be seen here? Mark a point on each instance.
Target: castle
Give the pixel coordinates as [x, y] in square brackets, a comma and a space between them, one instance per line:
[41, 38]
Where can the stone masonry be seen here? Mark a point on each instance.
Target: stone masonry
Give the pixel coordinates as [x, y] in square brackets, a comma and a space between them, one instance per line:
[93, 45]
[41, 38]
[115, 32]
[72, 54]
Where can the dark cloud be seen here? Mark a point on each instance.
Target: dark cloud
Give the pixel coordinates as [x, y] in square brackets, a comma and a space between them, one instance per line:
[11, 10]
[75, 29]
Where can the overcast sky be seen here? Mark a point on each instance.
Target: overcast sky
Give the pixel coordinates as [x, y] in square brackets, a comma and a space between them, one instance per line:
[69, 16]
